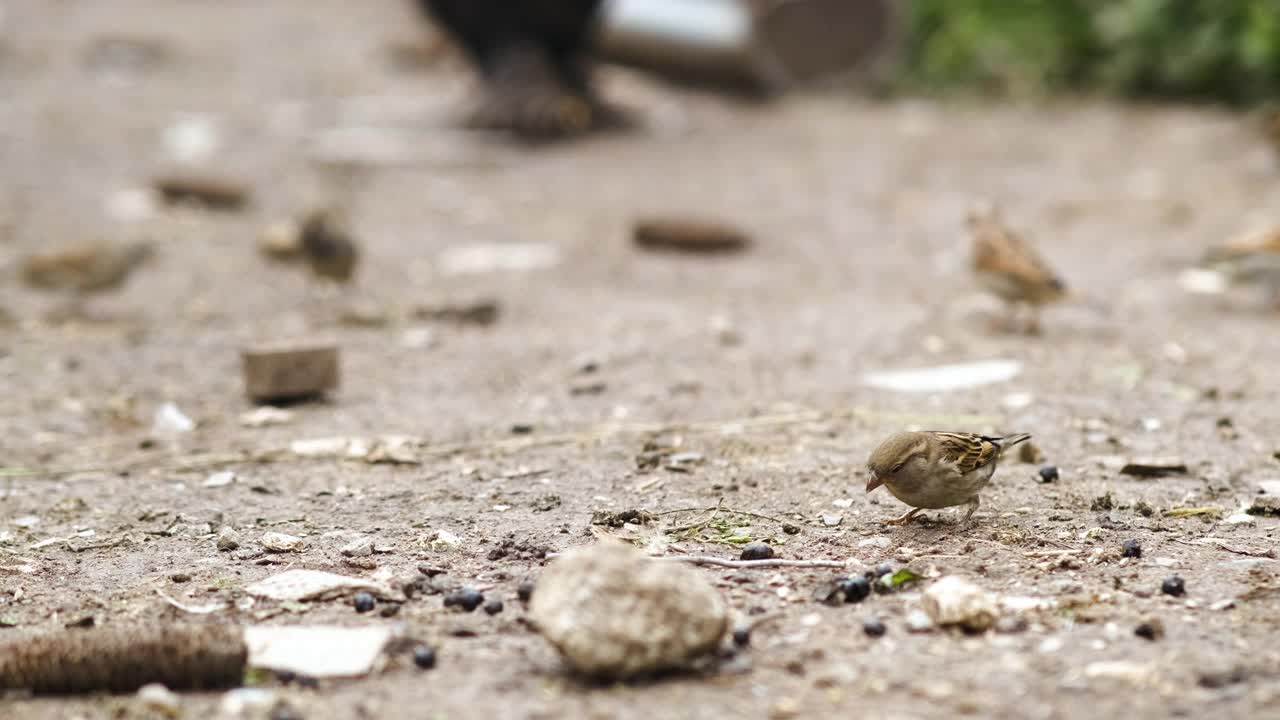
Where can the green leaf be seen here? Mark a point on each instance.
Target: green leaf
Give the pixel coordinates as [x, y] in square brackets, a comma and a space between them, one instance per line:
[901, 577]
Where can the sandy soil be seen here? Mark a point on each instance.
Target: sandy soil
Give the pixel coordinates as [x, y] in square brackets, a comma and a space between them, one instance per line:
[860, 265]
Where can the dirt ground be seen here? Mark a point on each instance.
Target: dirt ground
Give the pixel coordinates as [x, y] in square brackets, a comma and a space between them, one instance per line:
[755, 361]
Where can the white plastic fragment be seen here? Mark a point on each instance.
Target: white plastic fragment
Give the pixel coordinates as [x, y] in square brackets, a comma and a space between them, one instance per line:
[952, 600]
[317, 651]
[941, 378]
[170, 421]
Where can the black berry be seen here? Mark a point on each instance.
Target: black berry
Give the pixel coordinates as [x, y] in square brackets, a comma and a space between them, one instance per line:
[757, 551]
[742, 636]
[1049, 473]
[1131, 549]
[424, 657]
[363, 602]
[1173, 585]
[468, 599]
[493, 607]
[873, 627]
[855, 589]
[1151, 630]
[524, 591]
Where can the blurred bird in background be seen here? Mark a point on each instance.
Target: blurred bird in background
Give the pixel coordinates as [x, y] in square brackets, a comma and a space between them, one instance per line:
[533, 57]
[1249, 260]
[1009, 268]
[84, 270]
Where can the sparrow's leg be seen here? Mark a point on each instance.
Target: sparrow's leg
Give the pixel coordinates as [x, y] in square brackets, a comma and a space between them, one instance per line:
[1033, 320]
[905, 518]
[973, 508]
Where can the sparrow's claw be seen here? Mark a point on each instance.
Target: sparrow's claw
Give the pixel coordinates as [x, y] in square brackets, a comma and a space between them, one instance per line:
[905, 518]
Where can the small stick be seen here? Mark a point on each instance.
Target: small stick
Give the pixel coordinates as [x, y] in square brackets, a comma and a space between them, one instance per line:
[740, 564]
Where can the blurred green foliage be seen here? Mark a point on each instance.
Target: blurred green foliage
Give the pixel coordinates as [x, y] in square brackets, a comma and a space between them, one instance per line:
[1227, 50]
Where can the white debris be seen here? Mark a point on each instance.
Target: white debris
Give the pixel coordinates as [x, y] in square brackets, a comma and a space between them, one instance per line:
[160, 699]
[281, 542]
[132, 205]
[219, 479]
[497, 257]
[317, 651]
[1203, 282]
[1122, 670]
[320, 447]
[1018, 400]
[247, 704]
[26, 521]
[877, 541]
[192, 138]
[265, 416]
[952, 600]
[445, 540]
[944, 377]
[418, 338]
[170, 421]
[297, 585]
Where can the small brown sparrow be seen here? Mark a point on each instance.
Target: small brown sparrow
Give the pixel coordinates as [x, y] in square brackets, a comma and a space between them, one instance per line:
[933, 469]
[1250, 259]
[327, 245]
[1010, 268]
[85, 270]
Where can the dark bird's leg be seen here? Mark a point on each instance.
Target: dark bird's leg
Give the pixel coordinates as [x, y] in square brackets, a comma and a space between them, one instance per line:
[973, 508]
[533, 58]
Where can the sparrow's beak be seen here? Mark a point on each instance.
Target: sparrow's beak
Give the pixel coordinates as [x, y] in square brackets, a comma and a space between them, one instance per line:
[873, 480]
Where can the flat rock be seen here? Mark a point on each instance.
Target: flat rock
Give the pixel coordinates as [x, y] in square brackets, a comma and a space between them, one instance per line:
[289, 372]
[614, 613]
[297, 585]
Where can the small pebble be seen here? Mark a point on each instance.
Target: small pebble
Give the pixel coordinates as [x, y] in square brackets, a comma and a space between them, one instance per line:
[424, 657]
[873, 627]
[524, 591]
[363, 602]
[790, 529]
[390, 609]
[757, 551]
[467, 599]
[742, 636]
[1174, 585]
[1150, 630]
[882, 570]
[918, 621]
[180, 577]
[1049, 473]
[493, 607]
[855, 589]
[1131, 549]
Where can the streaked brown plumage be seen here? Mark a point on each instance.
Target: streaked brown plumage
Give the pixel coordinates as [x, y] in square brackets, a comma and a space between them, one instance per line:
[1008, 267]
[327, 245]
[85, 269]
[935, 469]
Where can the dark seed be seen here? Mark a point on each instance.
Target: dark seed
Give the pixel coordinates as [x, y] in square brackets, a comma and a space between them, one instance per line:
[286, 676]
[424, 657]
[790, 529]
[180, 577]
[493, 607]
[1150, 630]
[742, 636]
[873, 627]
[1173, 585]
[757, 551]
[855, 589]
[524, 591]
[390, 610]
[1131, 549]
[308, 682]
[1049, 473]
[884, 569]
[363, 602]
[467, 599]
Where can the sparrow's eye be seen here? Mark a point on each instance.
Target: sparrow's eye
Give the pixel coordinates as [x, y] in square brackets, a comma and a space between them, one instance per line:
[898, 467]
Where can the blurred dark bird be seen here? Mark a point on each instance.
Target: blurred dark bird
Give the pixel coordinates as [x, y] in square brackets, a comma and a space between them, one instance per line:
[327, 245]
[533, 57]
[1009, 268]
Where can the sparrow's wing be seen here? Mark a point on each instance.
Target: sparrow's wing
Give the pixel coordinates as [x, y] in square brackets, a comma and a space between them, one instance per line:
[998, 249]
[966, 451]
